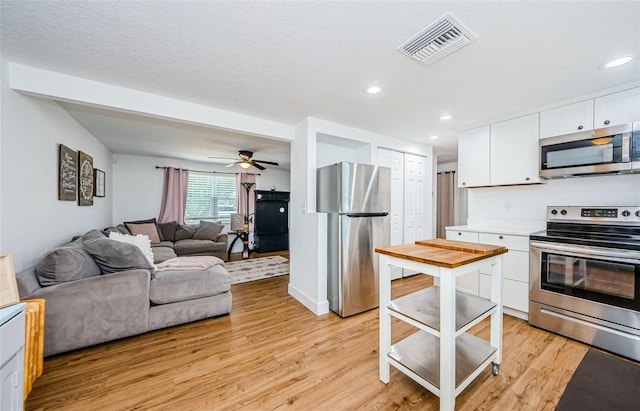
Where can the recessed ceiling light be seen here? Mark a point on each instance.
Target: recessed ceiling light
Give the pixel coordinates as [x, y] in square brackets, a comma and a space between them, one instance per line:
[618, 62]
[433, 137]
[374, 89]
[445, 117]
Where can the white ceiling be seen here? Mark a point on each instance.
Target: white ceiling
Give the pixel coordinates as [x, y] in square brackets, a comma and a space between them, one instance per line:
[284, 61]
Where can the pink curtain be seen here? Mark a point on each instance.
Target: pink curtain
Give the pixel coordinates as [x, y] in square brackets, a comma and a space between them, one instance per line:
[246, 179]
[174, 195]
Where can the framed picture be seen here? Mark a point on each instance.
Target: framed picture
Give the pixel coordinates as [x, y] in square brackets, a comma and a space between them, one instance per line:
[8, 286]
[85, 179]
[67, 174]
[98, 183]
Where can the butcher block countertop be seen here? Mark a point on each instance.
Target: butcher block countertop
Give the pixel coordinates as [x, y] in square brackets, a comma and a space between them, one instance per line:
[443, 253]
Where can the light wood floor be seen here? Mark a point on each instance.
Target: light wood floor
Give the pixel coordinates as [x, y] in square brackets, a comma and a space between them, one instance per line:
[272, 353]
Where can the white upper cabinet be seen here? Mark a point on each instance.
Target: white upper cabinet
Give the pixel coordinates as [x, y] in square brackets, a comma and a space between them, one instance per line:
[474, 155]
[567, 119]
[617, 108]
[514, 151]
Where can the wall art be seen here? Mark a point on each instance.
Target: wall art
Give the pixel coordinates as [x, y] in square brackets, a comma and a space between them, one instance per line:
[85, 179]
[67, 174]
[98, 183]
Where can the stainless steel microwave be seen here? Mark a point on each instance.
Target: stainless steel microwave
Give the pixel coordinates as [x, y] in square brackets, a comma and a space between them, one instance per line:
[601, 151]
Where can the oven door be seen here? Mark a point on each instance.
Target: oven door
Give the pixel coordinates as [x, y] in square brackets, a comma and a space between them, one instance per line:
[589, 152]
[594, 281]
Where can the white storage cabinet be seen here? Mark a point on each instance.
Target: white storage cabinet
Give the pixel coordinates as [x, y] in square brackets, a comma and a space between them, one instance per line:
[474, 155]
[12, 335]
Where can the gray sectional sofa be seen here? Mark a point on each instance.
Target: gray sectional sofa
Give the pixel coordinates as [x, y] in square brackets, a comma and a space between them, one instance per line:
[174, 239]
[98, 289]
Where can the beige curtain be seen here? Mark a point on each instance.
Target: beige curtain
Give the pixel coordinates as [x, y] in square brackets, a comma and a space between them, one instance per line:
[452, 203]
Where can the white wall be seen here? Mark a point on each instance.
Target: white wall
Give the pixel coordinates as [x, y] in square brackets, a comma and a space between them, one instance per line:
[528, 203]
[32, 219]
[138, 184]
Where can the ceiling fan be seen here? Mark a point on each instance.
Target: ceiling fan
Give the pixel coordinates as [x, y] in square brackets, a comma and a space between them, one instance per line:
[246, 160]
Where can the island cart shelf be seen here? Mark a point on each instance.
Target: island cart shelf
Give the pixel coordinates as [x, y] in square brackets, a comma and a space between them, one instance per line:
[441, 356]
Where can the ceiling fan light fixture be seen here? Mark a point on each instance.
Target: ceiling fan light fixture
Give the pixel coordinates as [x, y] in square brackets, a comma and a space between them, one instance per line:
[244, 164]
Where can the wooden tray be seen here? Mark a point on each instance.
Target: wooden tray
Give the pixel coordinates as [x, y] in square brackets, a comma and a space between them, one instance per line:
[467, 247]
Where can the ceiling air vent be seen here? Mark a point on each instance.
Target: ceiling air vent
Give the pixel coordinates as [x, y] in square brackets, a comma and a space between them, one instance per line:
[438, 40]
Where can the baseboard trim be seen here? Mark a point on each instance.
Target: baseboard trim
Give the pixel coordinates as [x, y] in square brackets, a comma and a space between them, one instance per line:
[516, 313]
[318, 308]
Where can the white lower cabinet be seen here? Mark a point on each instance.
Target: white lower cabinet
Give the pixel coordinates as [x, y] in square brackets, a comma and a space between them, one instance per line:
[515, 269]
[12, 335]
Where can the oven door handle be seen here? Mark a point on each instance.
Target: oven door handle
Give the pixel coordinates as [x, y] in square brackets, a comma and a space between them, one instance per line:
[582, 251]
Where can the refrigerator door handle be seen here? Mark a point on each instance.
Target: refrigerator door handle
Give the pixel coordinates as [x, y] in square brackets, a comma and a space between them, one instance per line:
[356, 215]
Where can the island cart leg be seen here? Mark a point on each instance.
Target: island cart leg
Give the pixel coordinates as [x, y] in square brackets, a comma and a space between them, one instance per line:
[385, 320]
[496, 317]
[447, 340]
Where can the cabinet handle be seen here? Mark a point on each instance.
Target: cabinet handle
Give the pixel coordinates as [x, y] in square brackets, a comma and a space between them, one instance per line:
[606, 122]
[580, 127]
[527, 178]
[501, 237]
[459, 233]
[464, 184]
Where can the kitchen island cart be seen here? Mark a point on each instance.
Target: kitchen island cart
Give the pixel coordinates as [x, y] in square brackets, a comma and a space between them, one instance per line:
[441, 356]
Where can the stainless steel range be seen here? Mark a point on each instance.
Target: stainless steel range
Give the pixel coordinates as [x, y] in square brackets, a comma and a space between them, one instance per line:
[585, 276]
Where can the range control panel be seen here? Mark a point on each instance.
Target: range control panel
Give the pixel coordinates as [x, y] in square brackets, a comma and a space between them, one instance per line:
[624, 215]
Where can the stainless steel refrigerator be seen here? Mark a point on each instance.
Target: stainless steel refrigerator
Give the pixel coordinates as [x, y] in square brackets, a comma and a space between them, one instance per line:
[356, 198]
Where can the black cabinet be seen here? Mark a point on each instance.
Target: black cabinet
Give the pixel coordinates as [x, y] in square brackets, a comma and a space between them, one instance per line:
[271, 221]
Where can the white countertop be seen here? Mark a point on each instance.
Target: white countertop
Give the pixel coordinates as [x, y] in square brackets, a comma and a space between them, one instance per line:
[515, 229]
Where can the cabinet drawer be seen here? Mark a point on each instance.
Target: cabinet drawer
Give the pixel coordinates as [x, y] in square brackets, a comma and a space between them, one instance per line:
[515, 294]
[515, 266]
[11, 337]
[512, 242]
[467, 236]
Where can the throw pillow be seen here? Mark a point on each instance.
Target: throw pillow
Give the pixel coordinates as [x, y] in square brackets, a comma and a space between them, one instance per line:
[148, 229]
[185, 232]
[113, 256]
[140, 241]
[147, 221]
[68, 263]
[168, 230]
[207, 231]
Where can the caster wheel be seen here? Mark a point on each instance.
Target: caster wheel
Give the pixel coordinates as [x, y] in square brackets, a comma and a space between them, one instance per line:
[495, 368]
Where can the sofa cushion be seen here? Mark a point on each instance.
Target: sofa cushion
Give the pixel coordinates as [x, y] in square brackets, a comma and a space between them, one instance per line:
[168, 230]
[140, 241]
[163, 252]
[113, 256]
[149, 229]
[184, 232]
[68, 263]
[174, 286]
[187, 247]
[207, 231]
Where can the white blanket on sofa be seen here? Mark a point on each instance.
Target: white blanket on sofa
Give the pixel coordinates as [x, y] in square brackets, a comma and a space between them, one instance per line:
[198, 262]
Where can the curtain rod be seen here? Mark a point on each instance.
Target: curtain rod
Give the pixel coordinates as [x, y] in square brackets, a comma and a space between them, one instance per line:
[201, 171]
[447, 172]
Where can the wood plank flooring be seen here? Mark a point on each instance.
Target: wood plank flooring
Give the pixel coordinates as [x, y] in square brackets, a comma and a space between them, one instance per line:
[271, 353]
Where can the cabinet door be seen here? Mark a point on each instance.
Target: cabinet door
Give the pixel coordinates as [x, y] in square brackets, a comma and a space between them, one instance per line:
[567, 119]
[11, 383]
[466, 282]
[474, 157]
[514, 151]
[617, 108]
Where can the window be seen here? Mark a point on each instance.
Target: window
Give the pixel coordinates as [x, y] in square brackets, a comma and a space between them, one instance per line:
[210, 197]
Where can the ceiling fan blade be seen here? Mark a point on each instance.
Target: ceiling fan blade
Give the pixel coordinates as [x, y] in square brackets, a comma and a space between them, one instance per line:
[258, 166]
[266, 162]
[232, 164]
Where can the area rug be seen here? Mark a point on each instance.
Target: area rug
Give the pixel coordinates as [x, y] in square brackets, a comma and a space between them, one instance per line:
[257, 269]
[602, 382]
